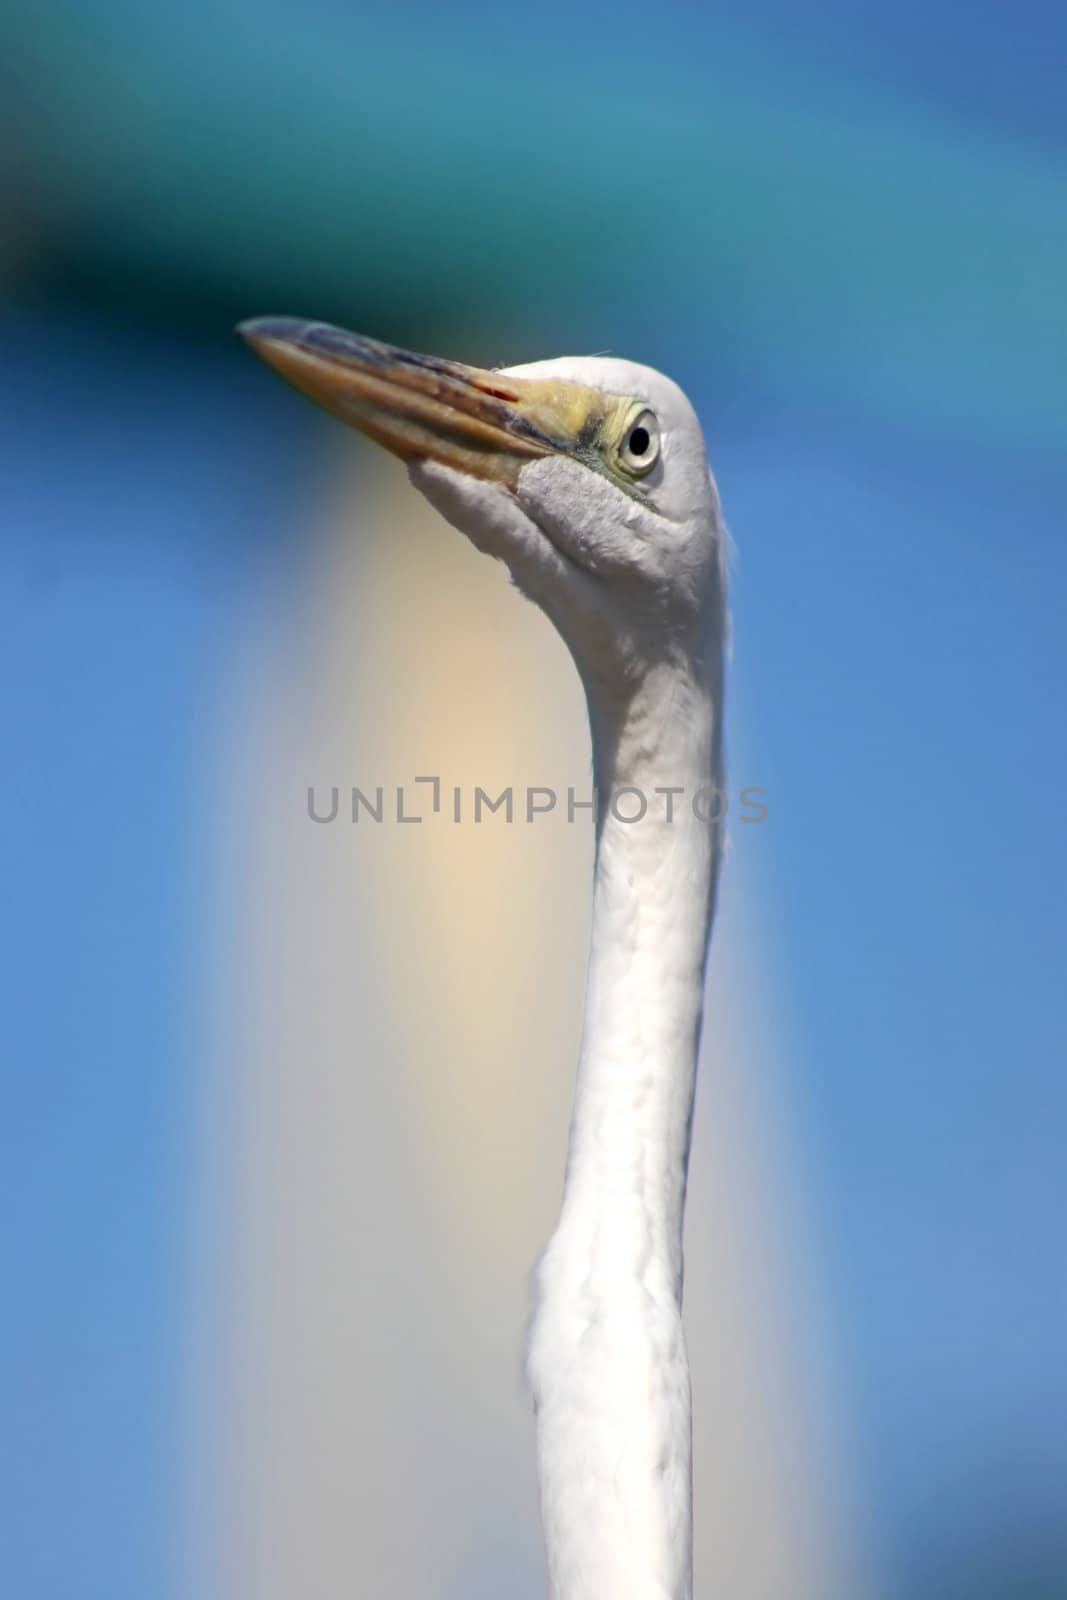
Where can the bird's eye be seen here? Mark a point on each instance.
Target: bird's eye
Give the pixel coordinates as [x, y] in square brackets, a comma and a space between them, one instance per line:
[640, 446]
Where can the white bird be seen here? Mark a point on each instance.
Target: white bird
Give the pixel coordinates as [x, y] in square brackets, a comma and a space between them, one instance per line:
[588, 477]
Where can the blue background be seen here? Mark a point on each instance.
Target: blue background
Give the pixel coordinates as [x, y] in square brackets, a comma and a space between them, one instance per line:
[844, 229]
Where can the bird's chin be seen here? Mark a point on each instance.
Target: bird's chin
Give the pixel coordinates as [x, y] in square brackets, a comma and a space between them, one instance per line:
[495, 521]
[577, 604]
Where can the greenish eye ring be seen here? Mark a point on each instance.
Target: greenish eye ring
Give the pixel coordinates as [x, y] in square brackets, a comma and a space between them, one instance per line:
[639, 450]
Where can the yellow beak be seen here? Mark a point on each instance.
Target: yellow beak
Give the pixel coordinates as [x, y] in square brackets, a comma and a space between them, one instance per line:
[486, 424]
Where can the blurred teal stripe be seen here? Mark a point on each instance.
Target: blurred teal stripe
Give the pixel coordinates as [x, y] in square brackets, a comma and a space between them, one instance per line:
[912, 272]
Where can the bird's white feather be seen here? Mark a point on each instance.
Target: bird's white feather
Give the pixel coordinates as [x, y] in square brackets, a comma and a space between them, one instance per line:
[636, 586]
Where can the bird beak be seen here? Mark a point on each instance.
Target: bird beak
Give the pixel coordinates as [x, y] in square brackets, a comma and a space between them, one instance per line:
[486, 424]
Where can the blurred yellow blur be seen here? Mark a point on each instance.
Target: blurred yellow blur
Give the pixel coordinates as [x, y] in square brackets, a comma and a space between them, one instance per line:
[401, 1045]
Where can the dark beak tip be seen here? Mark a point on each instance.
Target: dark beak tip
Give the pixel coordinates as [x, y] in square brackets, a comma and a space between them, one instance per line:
[260, 331]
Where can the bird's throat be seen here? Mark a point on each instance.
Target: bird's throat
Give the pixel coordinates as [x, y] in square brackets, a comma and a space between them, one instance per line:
[657, 762]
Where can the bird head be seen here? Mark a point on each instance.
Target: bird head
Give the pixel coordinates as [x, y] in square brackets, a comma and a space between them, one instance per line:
[587, 476]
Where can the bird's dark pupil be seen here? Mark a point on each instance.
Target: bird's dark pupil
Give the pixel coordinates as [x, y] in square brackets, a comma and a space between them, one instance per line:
[639, 441]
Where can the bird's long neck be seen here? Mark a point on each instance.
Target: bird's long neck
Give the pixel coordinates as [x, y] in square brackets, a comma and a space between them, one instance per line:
[651, 915]
[607, 1357]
